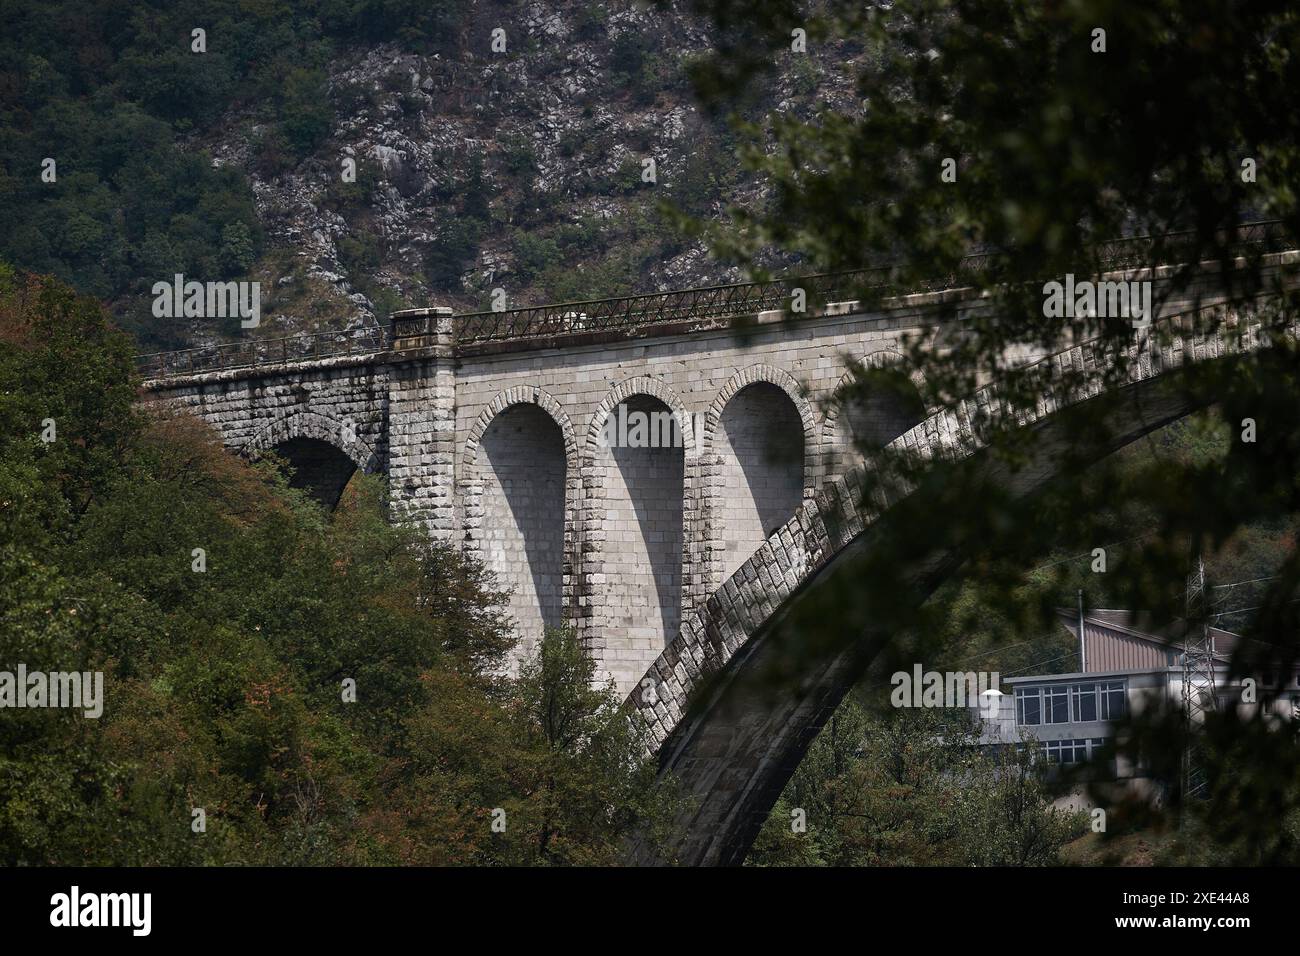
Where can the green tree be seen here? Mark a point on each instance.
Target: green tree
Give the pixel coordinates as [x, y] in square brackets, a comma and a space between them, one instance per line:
[306, 110]
[451, 253]
[326, 688]
[556, 776]
[911, 789]
[237, 253]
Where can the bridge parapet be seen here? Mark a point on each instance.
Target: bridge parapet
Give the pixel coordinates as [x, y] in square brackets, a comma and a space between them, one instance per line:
[255, 353]
[421, 328]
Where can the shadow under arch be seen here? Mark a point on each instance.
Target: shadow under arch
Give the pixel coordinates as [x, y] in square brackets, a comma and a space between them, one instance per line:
[323, 452]
[522, 485]
[640, 511]
[852, 419]
[758, 460]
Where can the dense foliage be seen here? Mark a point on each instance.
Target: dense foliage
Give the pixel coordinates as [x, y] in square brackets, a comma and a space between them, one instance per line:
[913, 789]
[224, 688]
[1031, 135]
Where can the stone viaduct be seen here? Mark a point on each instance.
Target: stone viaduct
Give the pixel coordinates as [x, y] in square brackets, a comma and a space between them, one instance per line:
[497, 443]
[686, 567]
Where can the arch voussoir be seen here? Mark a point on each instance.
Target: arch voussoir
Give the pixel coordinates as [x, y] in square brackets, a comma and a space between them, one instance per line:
[342, 435]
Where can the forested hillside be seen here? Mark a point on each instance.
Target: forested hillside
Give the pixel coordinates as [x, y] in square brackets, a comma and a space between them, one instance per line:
[476, 168]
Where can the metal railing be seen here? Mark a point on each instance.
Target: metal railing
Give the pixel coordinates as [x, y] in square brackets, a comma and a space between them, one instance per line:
[255, 352]
[633, 312]
[628, 313]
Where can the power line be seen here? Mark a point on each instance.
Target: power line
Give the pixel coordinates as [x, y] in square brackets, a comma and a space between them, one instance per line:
[1227, 588]
[1039, 664]
[993, 650]
[1088, 554]
[1236, 584]
[1242, 610]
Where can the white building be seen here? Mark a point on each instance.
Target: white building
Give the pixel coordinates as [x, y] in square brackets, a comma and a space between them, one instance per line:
[1128, 670]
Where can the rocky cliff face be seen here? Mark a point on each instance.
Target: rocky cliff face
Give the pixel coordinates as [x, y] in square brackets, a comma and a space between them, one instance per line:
[522, 169]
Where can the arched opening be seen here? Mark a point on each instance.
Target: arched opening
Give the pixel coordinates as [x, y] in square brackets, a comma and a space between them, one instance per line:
[318, 468]
[522, 470]
[869, 417]
[759, 448]
[641, 548]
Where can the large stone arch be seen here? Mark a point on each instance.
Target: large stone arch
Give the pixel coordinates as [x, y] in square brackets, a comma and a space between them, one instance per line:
[305, 438]
[833, 453]
[343, 435]
[706, 704]
[598, 463]
[471, 481]
[712, 466]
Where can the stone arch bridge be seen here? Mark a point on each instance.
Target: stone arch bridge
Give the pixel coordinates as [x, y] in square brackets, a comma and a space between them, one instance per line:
[494, 432]
[677, 564]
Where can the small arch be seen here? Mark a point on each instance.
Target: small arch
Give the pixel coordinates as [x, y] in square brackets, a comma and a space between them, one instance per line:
[641, 385]
[642, 521]
[882, 424]
[787, 383]
[323, 451]
[537, 583]
[345, 436]
[750, 492]
[513, 396]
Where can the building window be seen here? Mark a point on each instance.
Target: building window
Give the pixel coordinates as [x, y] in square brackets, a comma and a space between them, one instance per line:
[1028, 706]
[1042, 705]
[1066, 751]
[1077, 750]
[1113, 700]
[1056, 705]
[1066, 703]
[1083, 701]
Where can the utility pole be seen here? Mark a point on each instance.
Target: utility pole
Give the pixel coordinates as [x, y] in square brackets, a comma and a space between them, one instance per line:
[1199, 688]
[1083, 644]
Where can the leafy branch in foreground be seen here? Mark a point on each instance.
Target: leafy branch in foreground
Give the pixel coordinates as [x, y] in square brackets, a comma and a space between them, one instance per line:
[1005, 146]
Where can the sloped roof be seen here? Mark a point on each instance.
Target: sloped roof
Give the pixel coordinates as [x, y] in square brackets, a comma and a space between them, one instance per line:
[1141, 625]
